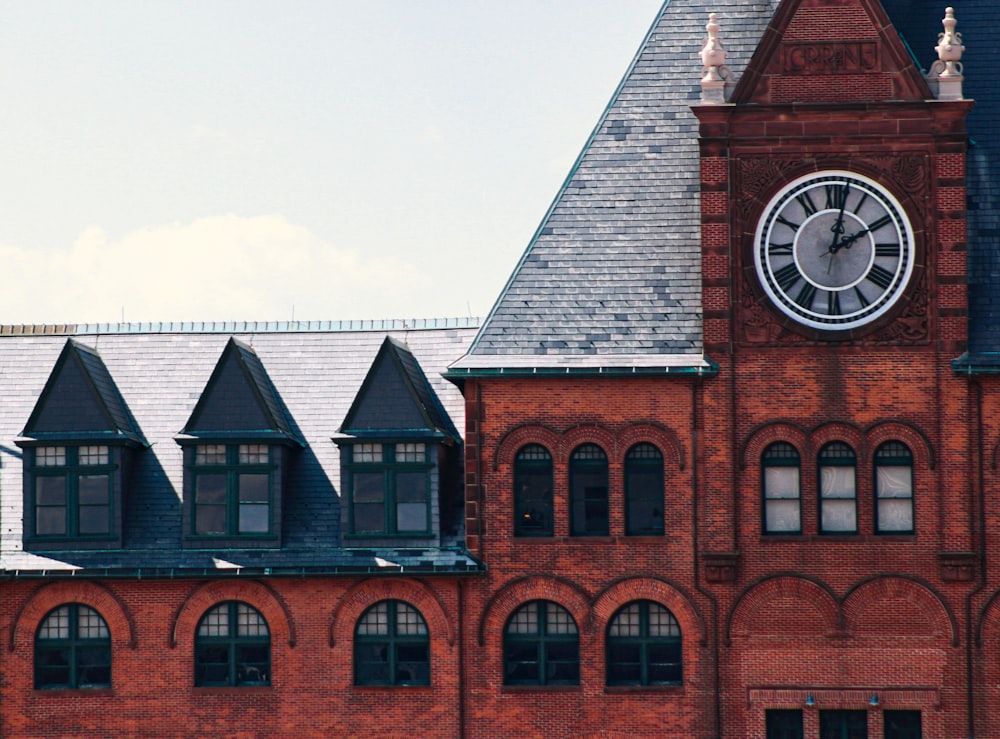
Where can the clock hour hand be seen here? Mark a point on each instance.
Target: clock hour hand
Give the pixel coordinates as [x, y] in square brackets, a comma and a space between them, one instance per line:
[848, 241]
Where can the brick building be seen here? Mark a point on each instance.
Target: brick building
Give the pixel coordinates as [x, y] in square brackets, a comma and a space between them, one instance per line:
[718, 463]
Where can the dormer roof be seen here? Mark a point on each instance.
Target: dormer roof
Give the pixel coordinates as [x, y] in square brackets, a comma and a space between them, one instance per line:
[240, 400]
[80, 400]
[396, 400]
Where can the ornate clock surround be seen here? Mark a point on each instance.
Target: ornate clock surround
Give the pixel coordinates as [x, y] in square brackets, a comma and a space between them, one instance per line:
[757, 321]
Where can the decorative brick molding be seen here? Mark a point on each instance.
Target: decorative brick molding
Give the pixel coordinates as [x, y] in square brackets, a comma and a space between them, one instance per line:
[834, 698]
[367, 593]
[873, 594]
[720, 566]
[816, 598]
[120, 622]
[957, 566]
[518, 592]
[671, 596]
[255, 593]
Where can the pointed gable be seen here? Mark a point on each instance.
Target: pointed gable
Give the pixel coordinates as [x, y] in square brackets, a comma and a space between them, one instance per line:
[396, 398]
[240, 400]
[612, 277]
[819, 51]
[81, 400]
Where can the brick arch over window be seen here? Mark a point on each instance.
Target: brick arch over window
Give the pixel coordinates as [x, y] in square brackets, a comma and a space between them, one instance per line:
[671, 596]
[367, 593]
[757, 595]
[518, 438]
[659, 436]
[837, 431]
[257, 594]
[988, 626]
[913, 437]
[929, 606]
[515, 594]
[583, 434]
[766, 434]
[105, 602]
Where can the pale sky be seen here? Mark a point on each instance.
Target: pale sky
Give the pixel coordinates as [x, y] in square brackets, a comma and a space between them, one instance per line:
[247, 160]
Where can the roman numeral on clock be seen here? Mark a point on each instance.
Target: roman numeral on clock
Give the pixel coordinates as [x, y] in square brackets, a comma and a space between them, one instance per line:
[883, 221]
[777, 250]
[806, 295]
[806, 202]
[833, 303]
[880, 276]
[787, 276]
[886, 250]
[836, 196]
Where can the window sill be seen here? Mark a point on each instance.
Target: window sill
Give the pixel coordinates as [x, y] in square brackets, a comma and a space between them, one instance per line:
[379, 688]
[619, 689]
[229, 689]
[608, 539]
[63, 692]
[540, 689]
[854, 538]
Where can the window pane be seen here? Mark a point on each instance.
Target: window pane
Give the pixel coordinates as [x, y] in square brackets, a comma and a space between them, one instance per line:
[902, 725]
[50, 456]
[50, 521]
[210, 489]
[409, 622]
[254, 488]
[368, 487]
[784, 724]
[375, 621]
[253, 454]
[95, 519]
[369, 518]
[254, 518]
[782, 516]
[411, 453]
[645, 501]
[524, 620]
[894, 482]
[839, 515]
[210, 454]
[93, 489]
[371, 453]
[781, 482]
[90, 456]
[50, 490]
[411, 501]
[895, 515]
[411, 486]
[210, 519]
[837, 482]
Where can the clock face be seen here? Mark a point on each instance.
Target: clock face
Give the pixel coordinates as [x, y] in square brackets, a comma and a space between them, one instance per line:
[834, 251]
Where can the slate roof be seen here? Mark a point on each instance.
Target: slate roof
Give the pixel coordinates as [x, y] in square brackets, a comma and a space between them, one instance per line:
[161, 372]
[612, 276]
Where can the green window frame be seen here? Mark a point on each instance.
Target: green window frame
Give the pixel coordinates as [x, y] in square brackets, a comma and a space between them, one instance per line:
[72, 649]
[72, 492]
[838, 489]
[541, 646]
[232, 647]
[233, 490]
[588, 491]
[392, 646]
[894, 513]
[902, 724]
[644, 491]
[389, 489]
[843, 724]
[533, 491]
[783, 723]
[644, 646]
[781, 489]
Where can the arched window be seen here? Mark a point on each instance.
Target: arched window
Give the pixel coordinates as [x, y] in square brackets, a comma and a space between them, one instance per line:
[391, 646]
[588, 491]
[232, 646]
[533, 491]
[72, 649]
[894, 489]
[644, 646]
[541, 646]
[780, 465]
[644, 491]
[838, 512]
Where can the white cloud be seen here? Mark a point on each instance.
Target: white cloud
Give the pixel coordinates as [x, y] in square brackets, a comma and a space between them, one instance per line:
[223, 267]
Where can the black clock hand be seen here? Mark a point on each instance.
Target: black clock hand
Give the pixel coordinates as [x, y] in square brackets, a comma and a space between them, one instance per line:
[848, 241]
[838, 226]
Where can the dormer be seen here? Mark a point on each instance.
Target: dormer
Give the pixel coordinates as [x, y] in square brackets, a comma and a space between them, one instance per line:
[237, 446]
[78, 446]
[400, 462]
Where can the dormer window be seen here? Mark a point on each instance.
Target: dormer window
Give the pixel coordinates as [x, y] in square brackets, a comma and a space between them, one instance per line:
[72, 491]
[79, 444]
[389, 489]
[237, 450]
[232, 489]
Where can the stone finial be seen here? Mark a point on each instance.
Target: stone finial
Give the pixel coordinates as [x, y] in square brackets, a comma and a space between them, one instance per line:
[716, 80]
[945, 77]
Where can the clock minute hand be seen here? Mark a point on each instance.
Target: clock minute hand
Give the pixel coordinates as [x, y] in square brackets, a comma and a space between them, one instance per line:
[838, 226]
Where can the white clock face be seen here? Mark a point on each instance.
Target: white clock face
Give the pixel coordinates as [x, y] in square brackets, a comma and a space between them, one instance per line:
[834, 251]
